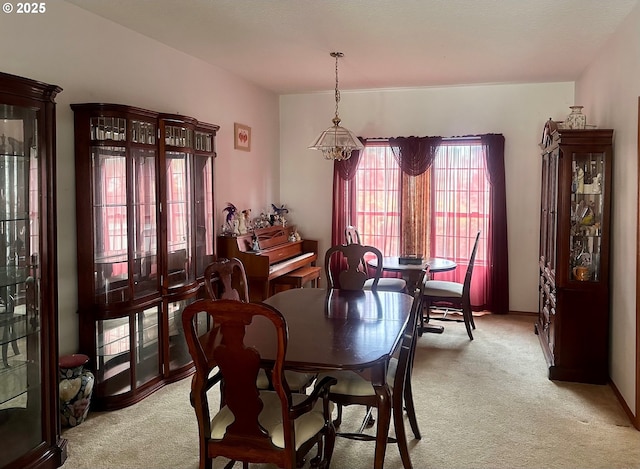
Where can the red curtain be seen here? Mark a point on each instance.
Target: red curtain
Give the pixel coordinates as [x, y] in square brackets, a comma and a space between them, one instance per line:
[497, 255]
[344, 200]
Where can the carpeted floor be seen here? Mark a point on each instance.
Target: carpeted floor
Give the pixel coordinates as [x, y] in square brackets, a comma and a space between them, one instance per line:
[480, 404]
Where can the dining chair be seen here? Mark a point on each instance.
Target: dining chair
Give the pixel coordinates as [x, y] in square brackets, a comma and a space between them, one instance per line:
[354, 273]
[226, 279]
[452, 295]
[254, 425]
[353, 389]
[352, 236]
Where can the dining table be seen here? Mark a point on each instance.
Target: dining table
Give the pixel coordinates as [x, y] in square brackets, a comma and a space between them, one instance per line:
[411, 273]
[331, 329]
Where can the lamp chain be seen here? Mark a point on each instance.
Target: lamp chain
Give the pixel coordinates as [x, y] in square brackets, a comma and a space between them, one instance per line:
[337, 54]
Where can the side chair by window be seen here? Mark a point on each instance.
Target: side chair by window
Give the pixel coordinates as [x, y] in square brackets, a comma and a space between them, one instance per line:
[352, 236]
[455, 295]
[226, 279]
[253, 425]
[356, 275]
[352, 388]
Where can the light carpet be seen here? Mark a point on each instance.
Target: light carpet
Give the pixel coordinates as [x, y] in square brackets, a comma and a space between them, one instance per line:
[485, 403]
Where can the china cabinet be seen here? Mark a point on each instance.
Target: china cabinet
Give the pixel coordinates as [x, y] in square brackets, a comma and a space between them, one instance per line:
[573, 310]
[145, 225]
[29, 419]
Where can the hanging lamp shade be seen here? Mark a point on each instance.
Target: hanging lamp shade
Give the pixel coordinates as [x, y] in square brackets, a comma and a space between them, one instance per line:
[337, 142]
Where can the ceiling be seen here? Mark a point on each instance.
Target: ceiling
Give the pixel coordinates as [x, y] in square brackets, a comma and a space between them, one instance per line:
[284, 45]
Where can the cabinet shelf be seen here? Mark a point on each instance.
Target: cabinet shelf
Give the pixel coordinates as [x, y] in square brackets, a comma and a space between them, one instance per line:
[13, 381]
[13, 276]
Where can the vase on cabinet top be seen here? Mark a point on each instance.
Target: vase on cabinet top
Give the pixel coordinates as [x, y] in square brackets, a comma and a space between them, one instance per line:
[575, 120]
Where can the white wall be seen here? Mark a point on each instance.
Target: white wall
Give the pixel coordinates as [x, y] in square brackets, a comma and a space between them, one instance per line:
[516, 111]
[609, 90]
[95, 60]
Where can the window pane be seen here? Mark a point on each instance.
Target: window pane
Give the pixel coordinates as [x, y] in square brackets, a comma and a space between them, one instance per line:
[378, 200]
[460, 200]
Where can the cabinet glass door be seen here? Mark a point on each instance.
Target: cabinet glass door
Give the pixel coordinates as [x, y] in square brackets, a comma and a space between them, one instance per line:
[20, 369]
[587, 209]
[145, 233]
[178, 350]
[203, 207]
[109, 168]
[179, 168]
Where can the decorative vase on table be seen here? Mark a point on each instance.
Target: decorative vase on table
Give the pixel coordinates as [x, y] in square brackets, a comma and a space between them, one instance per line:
[76, 386]
[575, 120]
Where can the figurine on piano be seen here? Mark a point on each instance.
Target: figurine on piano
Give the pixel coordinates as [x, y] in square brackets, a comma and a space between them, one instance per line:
[246, 221]
[231, 225]
[277, 218]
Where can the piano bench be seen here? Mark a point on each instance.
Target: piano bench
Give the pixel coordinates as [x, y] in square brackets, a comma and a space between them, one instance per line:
[300, 277]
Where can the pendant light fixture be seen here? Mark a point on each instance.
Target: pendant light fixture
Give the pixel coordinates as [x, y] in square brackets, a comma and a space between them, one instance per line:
[337, 143]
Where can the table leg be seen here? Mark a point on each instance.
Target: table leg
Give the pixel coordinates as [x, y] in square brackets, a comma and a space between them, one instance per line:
[426, 326]
[384, 418]
[411, 277]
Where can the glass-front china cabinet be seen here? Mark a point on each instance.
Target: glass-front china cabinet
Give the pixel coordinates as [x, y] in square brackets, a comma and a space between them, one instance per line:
[573, 310]
[144, 187]
[29, 419]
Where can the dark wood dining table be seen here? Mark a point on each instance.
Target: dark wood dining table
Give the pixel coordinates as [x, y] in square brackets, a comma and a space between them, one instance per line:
[342, 330]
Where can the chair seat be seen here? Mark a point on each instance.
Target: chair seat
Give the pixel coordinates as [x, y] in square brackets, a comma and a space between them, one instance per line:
[297, 381]
[352, 384]
[306, 426]
[443, 288]
[387, 284]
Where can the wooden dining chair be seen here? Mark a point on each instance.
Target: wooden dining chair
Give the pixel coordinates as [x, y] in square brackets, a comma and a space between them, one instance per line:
[352, 236]
[353, 389]
[354, 274]
[253, 425]
[226, 279]
[454, 295]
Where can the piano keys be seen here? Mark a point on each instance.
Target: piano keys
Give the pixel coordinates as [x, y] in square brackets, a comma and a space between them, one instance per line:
[276, 256]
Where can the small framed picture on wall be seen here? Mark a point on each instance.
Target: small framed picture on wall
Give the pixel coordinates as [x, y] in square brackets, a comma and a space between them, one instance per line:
[242, 137]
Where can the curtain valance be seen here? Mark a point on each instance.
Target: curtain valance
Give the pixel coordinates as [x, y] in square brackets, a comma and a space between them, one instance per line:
[414, 154]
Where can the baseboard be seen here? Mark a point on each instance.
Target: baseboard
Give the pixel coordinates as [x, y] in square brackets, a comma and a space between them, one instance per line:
[635, 421]
[524, 313]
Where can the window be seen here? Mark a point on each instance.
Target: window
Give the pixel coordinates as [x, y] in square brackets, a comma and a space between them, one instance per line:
[430, 196]
[458, 190]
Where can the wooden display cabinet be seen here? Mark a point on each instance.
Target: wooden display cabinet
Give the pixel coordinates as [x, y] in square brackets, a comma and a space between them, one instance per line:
[145, 221]
[573, 310]
[29, 418]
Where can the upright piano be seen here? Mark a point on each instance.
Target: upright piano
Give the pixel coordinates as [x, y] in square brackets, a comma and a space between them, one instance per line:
[276, 256]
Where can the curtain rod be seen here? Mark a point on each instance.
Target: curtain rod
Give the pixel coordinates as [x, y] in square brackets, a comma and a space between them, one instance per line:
[386, 139]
